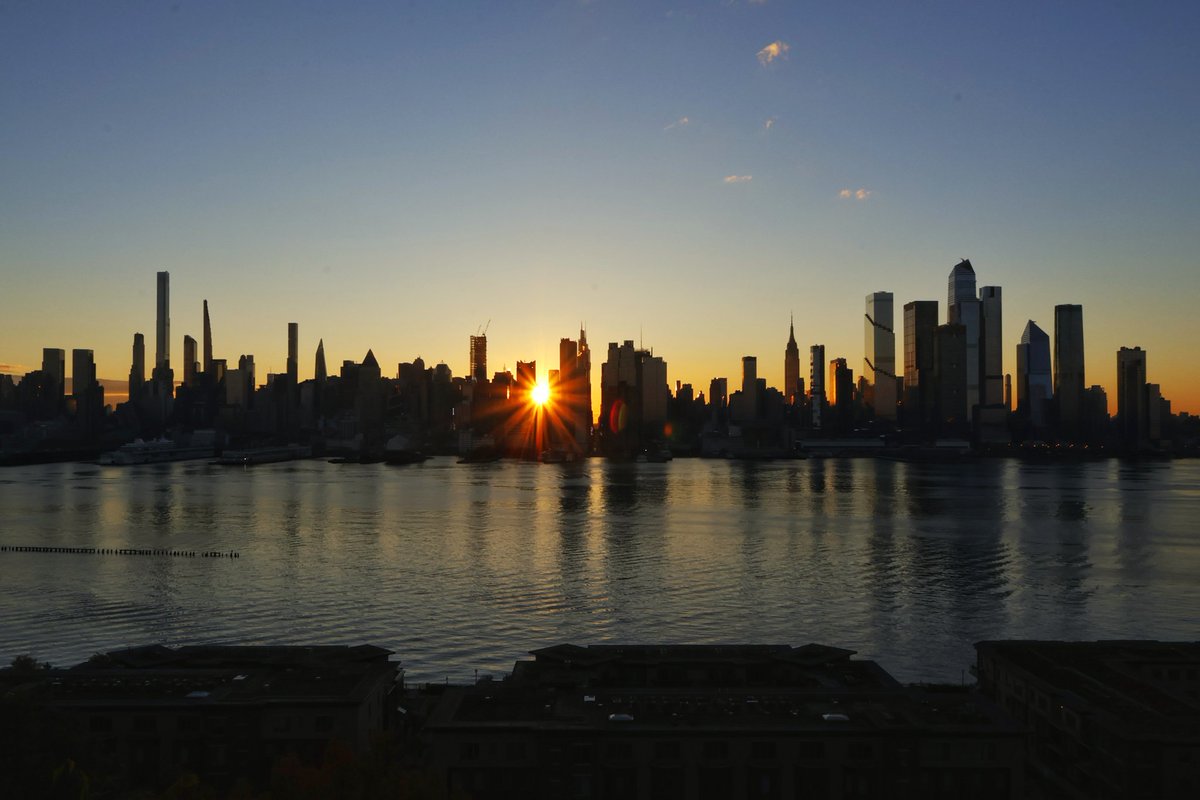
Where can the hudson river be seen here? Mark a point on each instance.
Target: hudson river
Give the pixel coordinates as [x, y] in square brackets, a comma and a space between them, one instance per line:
[459, 567]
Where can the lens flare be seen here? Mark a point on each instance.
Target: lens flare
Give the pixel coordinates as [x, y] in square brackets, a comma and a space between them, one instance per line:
[541, 393]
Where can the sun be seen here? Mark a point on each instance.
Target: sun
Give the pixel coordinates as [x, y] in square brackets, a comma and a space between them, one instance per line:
[541, 393]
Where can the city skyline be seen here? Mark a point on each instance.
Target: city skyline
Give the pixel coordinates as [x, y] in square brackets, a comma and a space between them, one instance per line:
[687, 177]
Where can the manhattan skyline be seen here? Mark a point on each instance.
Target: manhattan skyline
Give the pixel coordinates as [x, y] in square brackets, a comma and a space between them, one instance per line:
[691, 175]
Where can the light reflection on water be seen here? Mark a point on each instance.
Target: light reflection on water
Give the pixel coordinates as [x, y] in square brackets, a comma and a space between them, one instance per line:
[461, 567]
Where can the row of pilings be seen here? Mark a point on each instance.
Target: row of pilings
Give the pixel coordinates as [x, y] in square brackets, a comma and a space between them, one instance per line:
[120, 551]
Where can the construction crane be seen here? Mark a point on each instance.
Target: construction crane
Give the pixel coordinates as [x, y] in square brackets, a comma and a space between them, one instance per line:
[482, 330]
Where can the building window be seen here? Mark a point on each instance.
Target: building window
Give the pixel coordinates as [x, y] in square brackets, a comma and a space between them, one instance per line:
[324, 723]
[469, 751]
[666, 751]
[763, 750]
[716, 749]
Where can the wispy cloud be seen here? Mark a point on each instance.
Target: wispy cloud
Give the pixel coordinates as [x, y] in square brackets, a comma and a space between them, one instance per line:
[769, 123]
[13, 369]
[738, 178]
[855, 194]
[776, 49]
[682, 122]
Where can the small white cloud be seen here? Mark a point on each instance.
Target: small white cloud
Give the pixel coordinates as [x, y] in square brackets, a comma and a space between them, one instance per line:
[738, 178]
[776, 49]
[682, 122]
[855, 194]
[769, 123]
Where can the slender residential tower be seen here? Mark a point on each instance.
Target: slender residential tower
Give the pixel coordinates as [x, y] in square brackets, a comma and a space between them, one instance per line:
[991, 347]
[816, 382]
[162, 330]
[293, 352]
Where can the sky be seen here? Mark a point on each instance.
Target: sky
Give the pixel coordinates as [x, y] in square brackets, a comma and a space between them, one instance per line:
[396, 175]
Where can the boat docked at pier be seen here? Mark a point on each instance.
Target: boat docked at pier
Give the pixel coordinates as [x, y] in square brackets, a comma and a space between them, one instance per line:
[200, 445]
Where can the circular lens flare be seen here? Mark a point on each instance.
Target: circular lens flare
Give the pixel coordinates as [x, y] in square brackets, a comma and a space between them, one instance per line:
[541, 393]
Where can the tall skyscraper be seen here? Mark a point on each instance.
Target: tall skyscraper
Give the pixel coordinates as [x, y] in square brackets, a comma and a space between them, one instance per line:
[920, 395]
[189, 361]
[478, 370]
[879, 361]
[1034, 385]
[791, 367]
[86, 391]
[526, 378]
[1132, 417]
[964, 309]
[293, 358]
[950, 369]
[162, 344]
[208, 356]
[137, 369]
[816, 382]
[585, 369]
[54, 368]
[750, 398]
[1068, 369]
[991, 347]
[574, 407]
[840, 391]
[319, 367]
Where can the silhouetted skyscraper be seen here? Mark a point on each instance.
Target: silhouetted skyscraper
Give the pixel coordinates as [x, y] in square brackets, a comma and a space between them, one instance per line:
[208, 353]
[879, 366]
[189, 361]
[750, 399]
[1132, 417]
[293, 358]
[964, 309]
[920, 390]
[950, 368]
[162, 344]
[585, 369]
[1068, 369]
[54, 370]
[137, 369]
[816, 382]
[991, 346]
[319, 372]
[86, 392]
[791, 367]
[1034, 384]
[478, 369]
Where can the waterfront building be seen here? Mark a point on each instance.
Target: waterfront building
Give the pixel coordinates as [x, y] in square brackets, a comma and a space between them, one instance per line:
[816, 383]
[1132, 418]
[964, 308]
[721, 721]
[634, 396]
[879, 362]
[920, 396]
[1034, 385]
[571, 396]
[1068, 369]
[1105, 720]
[86, 392]
[791, 368]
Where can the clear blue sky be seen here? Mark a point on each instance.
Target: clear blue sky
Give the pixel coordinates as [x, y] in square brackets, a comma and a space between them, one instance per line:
[393, 175]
